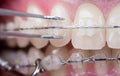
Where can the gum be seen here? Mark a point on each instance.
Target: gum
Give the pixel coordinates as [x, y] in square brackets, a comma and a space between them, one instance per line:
[46, 6]
[90, 71]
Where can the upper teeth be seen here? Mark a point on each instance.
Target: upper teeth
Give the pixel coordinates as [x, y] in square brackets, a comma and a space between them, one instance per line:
[113, 35]
[87, 15]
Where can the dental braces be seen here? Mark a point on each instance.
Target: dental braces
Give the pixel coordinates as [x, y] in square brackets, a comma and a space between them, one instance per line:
[68, 27]
[7, 12]
[41, 66]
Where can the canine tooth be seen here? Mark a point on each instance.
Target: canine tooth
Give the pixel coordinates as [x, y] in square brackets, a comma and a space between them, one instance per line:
[51, 63]
[88, 15]
[35, 22]
[34, 54]
[113, 35]
[62, 53]
[78, 67]
[61, 11]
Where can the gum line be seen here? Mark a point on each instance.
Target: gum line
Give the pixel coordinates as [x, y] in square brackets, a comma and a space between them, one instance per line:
[104, 5]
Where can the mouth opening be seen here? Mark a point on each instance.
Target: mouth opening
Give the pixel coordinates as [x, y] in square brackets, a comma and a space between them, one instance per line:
[76, 44]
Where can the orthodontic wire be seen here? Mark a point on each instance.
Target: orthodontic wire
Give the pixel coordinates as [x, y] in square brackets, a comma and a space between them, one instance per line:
[3, 33]
[68, 27]
[40, 69]
[7, 12]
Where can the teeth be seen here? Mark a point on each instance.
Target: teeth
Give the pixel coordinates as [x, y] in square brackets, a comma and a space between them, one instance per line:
[34, 54]
[22, 42]
[88, 15]
[116, 53]
[113, 35]
[51, 63]
[101, 66]
[59, 10]
[62, 53]
[19, 58]
[20, 23]
[10, 26]
[22, 60]
[78, 67]
[11, 41]
[35, 22]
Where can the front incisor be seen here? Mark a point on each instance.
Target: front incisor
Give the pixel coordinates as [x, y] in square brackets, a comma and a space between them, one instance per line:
[88, 15]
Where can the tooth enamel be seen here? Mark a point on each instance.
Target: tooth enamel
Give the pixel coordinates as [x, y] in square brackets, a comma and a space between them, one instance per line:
[100, 65]
[78, 67]
[61, 11]
[18, 57]
[22, 42]
[34, 54]
[88, 15]
[62, 53]
[10, 27]
[35, 22]
[11, 41]
[22, 60]
[20, 23]
[113, 35]
[116, 54]
[51, 63]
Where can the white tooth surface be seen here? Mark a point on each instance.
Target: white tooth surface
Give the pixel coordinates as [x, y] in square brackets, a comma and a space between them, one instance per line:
[18, 57]
[10, 26]
[116, 54]
[88, 15]
[36, 22]
[51, 63]
[11, 41]
[61, 11]
[20, 23]
[62, 53]
[113, 35]
[34, 54]
[100, 65]
[22, 60]
[79, 67]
